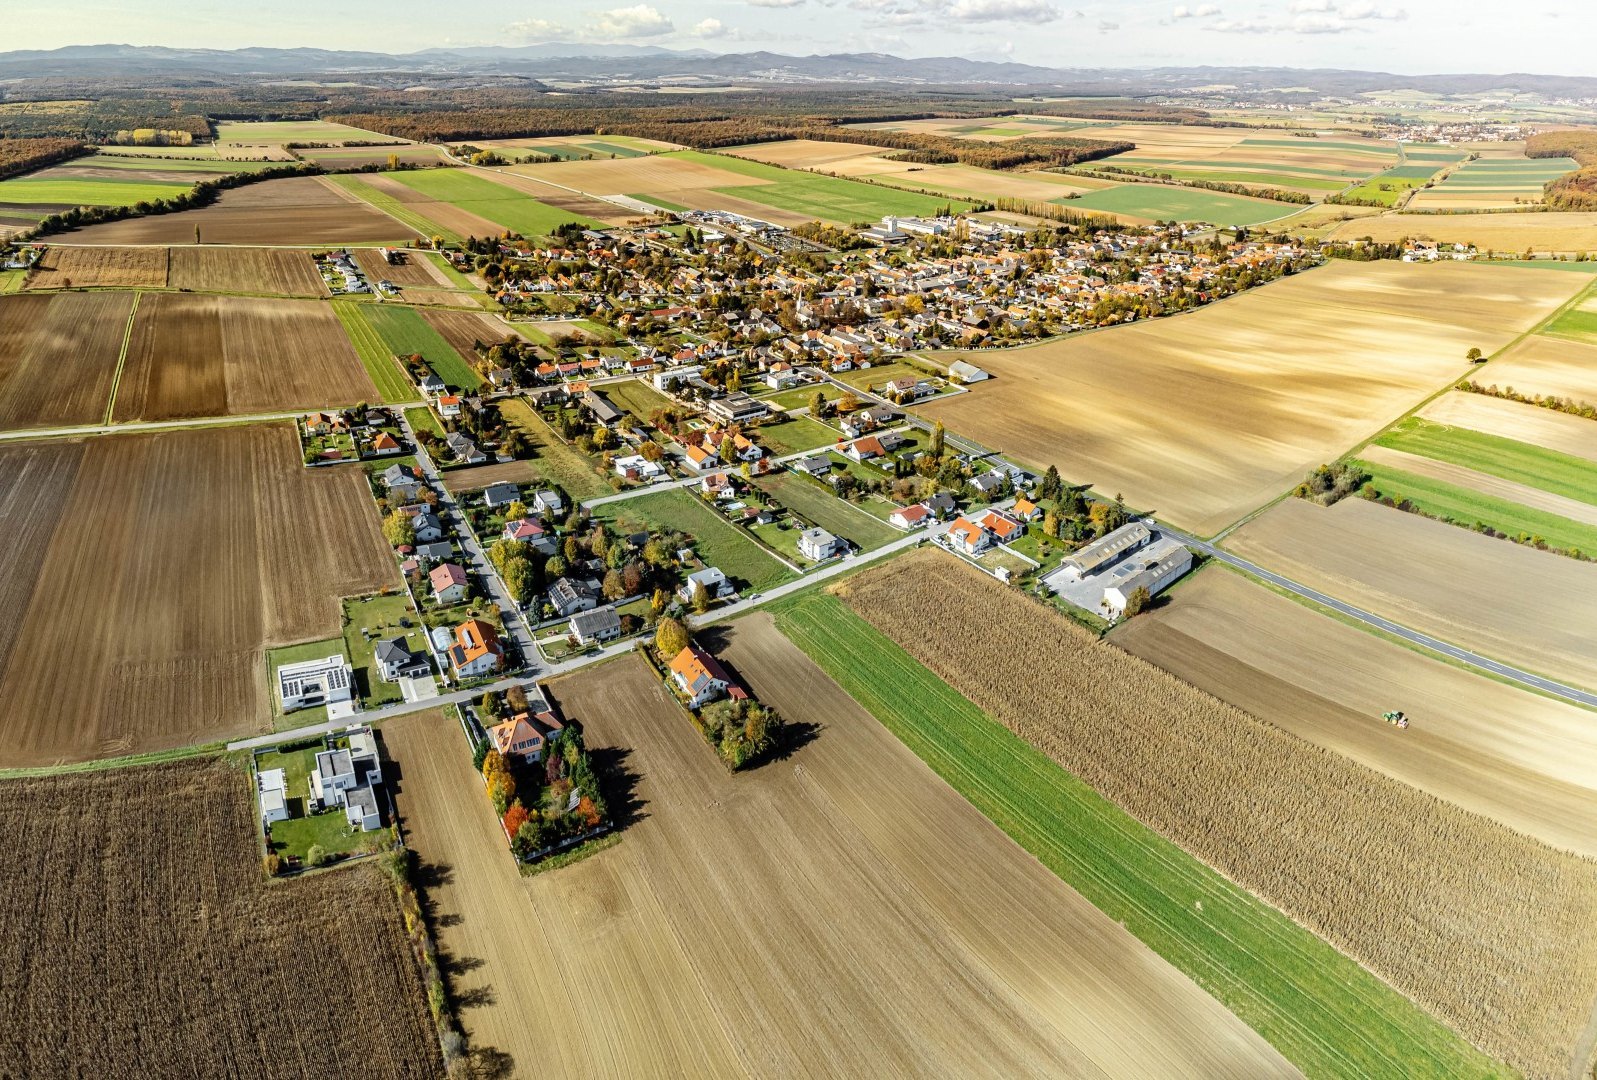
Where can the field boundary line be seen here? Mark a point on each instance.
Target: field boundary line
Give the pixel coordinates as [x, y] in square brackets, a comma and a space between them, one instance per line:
[122, 356]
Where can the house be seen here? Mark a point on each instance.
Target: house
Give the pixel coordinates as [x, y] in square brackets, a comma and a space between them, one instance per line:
[968, 537]
[637, 467]
[500, 494]
[384, 444]
[716, 585]
[963, 372]
[715, 485]
[699, 459]
[865, 449]
[701, 678]
[1106, 551]
[272, 790]
[322, 423]
[781, 376]
[738, 407]
[449, 583]
[314, 682]
[600, 624]
[395, 661]
[463, 449]
[524, 735]
[401, 482]
[428, 527]
[1152, 568]
[449, 406]
[501, 377]
[816, 465]
[1025, 510]
[476, 649]
[531, 532]
[569, 596]
[431, 385]
[599, 405]
[819, 545]
[989, 483]
[1002, 527]
[438, 549]
[347, 777]
[549, 503]
[910, 517]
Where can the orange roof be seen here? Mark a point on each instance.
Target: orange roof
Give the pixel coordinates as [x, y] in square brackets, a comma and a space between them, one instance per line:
[999, 525]
[1025, 506]
[477, 638]
[449, 399]
[870, 444]
[385, 441]
[967, 531]
[697, 454]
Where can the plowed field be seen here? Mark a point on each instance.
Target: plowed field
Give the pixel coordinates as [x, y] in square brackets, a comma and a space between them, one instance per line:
[58, 357]
[108, 267]
[245, 270]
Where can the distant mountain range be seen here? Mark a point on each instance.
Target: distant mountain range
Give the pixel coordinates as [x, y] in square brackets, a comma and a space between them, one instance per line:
[644, 63]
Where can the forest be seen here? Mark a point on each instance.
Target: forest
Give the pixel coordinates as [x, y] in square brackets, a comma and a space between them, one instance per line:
[1572, 191]
[25, 155]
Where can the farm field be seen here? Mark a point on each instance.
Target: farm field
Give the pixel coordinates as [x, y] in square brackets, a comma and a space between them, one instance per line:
[501, 204]
[58, 357]
[1313, 166]
[1542, 232]
[568, 147]
[1248, 400]
[992, 128]
[407, 333]
[191, 356]
[260, 271]
[278, 132]
[1408, 568]
[88, 181]
[192, 911]
[355, 157]
[572, 205]
[141, 624]
[297, 210]
[1490, 748]
[1550, 366]
[417, 269]
[76, 267]
[715, 540]
[463, 329]
[1493, 183]
[382, 367]
[1510, 965]
[828, 511]
[1141, 203]
[904, 965]
[555, 461]
[1571, 477]
[1565, 434]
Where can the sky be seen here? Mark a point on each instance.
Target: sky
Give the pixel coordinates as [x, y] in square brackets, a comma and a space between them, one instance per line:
[1405, 36]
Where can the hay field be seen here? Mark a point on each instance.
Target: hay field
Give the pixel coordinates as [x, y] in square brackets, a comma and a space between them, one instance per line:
[259, 271]
[1490, 748]
[58, 356]
[277, 132]
[158, 568]
[191, 356]
[1432, 577]
[1512, 420]
[1492, 933]
[1203, 417]
[103, 267]
[1539, 232]
[294, 211]
[1546, 365]
[1485, 483]
[148, 878]
[805, 153]
[791, 921]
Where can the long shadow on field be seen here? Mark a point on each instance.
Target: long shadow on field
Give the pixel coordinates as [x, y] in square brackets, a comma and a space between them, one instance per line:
[620, 782]
[796, 734]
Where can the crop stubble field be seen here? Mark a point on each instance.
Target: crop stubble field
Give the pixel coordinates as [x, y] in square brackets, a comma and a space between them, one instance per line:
[1491, 932]
[1518, 758]
[192, 356]
[1202, 417]
[263, 271]
[789, 921]
[58, 357]
[1558, 431]
[1540, 232]
[155, 948]
[159, 566]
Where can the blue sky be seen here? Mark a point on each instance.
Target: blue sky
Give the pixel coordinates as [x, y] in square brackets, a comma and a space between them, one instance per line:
[1406, 36]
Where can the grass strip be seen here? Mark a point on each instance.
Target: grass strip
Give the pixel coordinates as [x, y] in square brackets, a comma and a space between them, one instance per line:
[394, 208]
[1470, 509]
[392, 383]
[121, 358]
[406, 333]
[1324, 1012]
[1524, 463]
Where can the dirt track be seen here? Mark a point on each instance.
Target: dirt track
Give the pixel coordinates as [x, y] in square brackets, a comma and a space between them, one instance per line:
[792, 921]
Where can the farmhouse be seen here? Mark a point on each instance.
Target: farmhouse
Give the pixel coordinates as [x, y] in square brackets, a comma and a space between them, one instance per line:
[819, 545]
[314, 682]
[449, 583]
[1106, 551]
[600, 624]
[701, 678]
[272, 790]
[476, 650]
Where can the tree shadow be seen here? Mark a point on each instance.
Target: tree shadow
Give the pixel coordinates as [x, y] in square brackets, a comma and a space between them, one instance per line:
[488, 1063]
[452, 965]
[620, 782]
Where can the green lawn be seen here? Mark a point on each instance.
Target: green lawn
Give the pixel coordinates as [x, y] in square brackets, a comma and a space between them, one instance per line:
[461, 281]
[836, 516]
[375, 355]
[716, 540]
[799, 397]
[1524, 463]
[499, 203]
[655, 200]
[826, 197]
[380, 614]
[555, 461]
[406, 333]
[422, 418]
[879, 374]
[1388, 187]
[1472, 507]
[419, 223]
[1325, 1013]
[792, 436]
[635, 396]
[1162, 202]
[328, 830]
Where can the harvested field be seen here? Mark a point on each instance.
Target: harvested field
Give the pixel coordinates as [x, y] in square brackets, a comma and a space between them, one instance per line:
[142, 623]
[261, 271]
[1547, 428]
[205, 969]
[417, 269]
[1252, 392]
[805, 153]
[355, 157]
[58, 356]
[192, 356]
[1490, 748]
[296, 211]
[454, 298]
[108, 267]
[1551, 366]
[1540, 232]
[463, 329]
[1497, 932]
[1410, 569]
[896, 959]
[577, 206]
[477, 477]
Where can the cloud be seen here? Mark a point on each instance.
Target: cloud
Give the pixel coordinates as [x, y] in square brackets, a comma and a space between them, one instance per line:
[1309, 17]
[709, 28]
[776, 3]
[1182, 11]
[1026, 11]
[1360, 11]
[539, 30]
[1206, 10]
[1241, 26]
[638, 21]
[1105, 26]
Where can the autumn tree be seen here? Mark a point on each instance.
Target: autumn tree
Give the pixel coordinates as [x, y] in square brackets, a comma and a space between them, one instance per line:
[399, 529]
[935, 447]
[701, 598]
[1137, 602]
[670, 637]
[501, 790]
[515, 817]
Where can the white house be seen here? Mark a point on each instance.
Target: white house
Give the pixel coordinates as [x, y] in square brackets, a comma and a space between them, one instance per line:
[314, 682]
[347, 776]
[960, 371]
[716, 585]
[910, 517]
[500, 494]
[449, 583]
[600, 624]
[638, 467]
[819, 545]
[395, 661]
[272, 788]
[569, 596]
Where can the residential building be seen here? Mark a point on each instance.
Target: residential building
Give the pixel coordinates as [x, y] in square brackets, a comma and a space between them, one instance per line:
[1025, 510]
[910, 517]
[384, 444]
[738, 407]
[636, 467]
[402, 483]
[1003, 528]
[600, 624]
[310, 683]
[272, 791]
[715, 485]
[437, 549]
[395, 661]
[820, 545]
[549, 502]
[347, 776]
[449, 406]
[599, 405]
[464, 450]
[428, 527]
[963, 372]
[967, 537]
[569, 596]
[476, 649]
[701, 678]
[530, 531]
[716, 585]
[525, 735]
[816, 465]
[500, 494]
[449, 583]
[864, 449]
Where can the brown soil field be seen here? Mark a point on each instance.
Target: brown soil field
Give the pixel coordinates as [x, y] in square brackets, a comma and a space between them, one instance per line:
[477, 477]
[246, 270]
[417, 269]
[1546, 365]
[1542, 232]
[353, 157]
[148, 879]
[298, 210]
[1475, 480]
[157, 567]
[58, 357]
[676, 180]
[454, 298]
[1202, 417]
[967, 180]
[1516, 757]
[805, 153]
[192, 356]
[570, 201]
[789, 921]
[1493, 933]
[1513, 603]
[109, 267]
[447, 215]
[1512, 420]
[463, 329]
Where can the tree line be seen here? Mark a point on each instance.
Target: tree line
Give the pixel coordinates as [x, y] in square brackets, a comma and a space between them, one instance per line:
[19, 156]
[1575, 190]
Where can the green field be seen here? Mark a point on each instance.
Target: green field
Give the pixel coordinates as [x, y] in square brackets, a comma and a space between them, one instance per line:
[556, 462]
[498, 203]
[825, 509]
[1325, 1013]
[791, 436]
[391, 206]
[799, 397]
[1521, 462]
[814, 195]
[1387, 187]
[1162, 202]
[422, 418]
[1470, 508]
[379, 614]
[717, 541]
[461, 281]
[635, 396]
[406, 333]
[1576, 324]
[1258, 178]
[375, 354]
[29, 191]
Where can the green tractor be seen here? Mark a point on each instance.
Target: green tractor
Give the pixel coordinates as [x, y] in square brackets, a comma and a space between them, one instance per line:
[1395, 718]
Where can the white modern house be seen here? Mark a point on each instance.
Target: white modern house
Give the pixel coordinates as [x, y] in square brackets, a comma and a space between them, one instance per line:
[347, 778]
[716, 585]
[310, 683]
[272, 789]
[819, 545]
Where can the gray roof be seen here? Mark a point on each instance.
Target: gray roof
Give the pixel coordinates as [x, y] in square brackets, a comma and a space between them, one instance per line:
[588, 623]
[393, 650]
